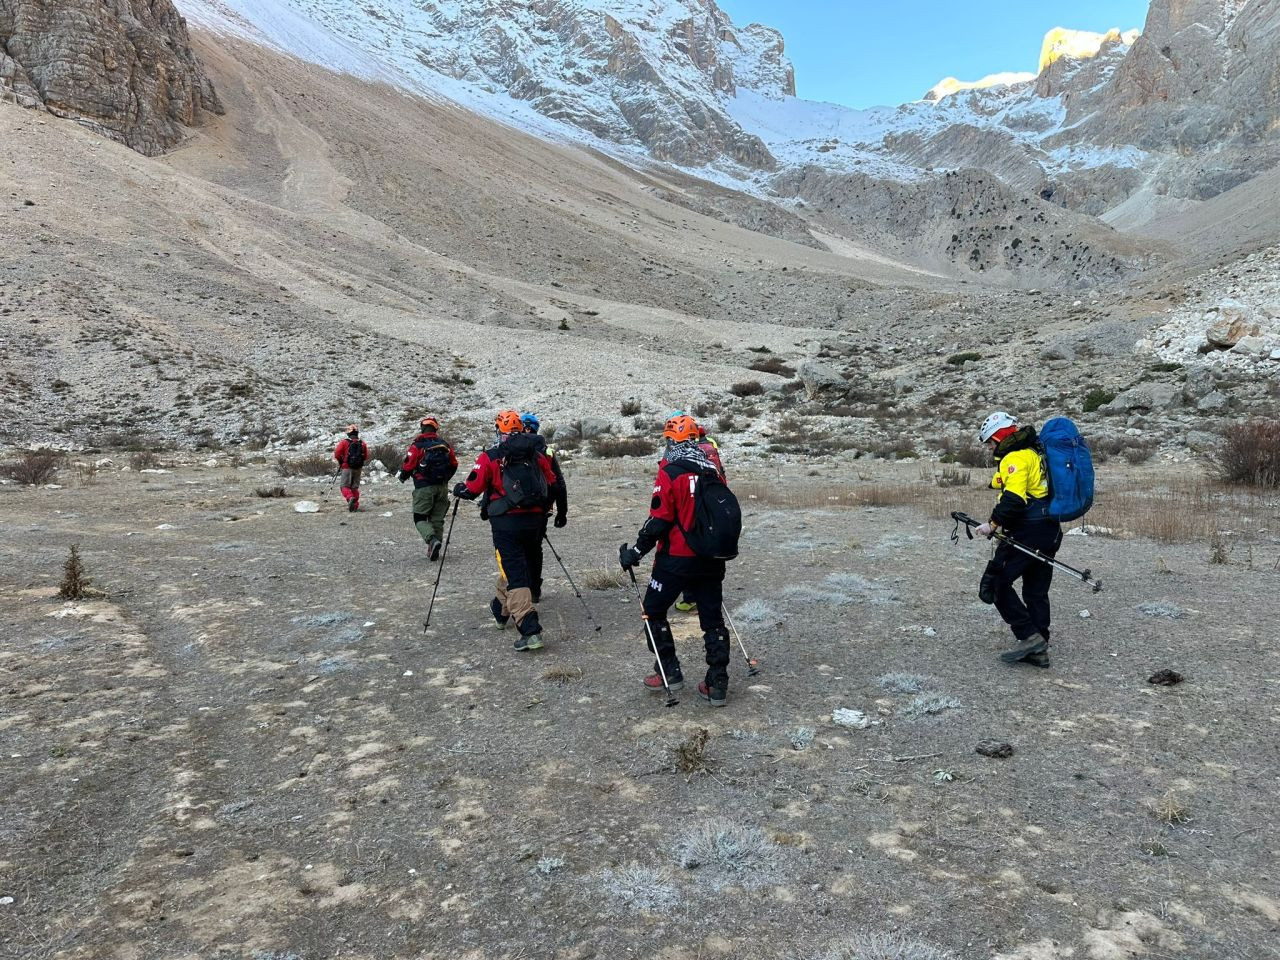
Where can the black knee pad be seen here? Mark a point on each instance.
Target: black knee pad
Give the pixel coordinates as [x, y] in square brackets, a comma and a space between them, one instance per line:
[990, 583]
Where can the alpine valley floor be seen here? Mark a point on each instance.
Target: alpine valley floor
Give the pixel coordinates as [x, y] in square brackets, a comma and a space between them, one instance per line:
[248, 748]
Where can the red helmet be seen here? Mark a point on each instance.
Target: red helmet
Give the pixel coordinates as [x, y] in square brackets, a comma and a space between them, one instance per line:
[681, 428]
[429, 423]
[508, 421]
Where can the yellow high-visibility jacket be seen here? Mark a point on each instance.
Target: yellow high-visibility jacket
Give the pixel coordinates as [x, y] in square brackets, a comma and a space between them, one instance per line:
[1020, 478]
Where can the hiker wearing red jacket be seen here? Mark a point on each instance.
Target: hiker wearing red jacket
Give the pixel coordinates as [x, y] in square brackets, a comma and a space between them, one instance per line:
[678, 567]
[351, 454]
[432, 463]
[514, 481]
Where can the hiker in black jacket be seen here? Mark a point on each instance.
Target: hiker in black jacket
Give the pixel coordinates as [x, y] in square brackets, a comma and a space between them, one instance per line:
[558, 497]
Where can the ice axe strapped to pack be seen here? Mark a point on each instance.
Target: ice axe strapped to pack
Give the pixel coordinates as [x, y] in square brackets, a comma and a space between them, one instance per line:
[1084, 576]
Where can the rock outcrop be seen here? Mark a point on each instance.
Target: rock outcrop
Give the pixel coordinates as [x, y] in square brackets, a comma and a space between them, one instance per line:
[122, 67]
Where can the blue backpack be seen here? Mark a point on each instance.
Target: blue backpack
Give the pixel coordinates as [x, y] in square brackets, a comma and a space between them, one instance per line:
[1068, 468]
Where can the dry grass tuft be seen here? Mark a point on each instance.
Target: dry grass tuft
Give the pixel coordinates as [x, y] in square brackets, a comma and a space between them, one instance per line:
[74, 584]
[691, 755]
[270, 493]
[562, 674]
[1169, 810]
[388, 454]
[603, 579]
[606, 445]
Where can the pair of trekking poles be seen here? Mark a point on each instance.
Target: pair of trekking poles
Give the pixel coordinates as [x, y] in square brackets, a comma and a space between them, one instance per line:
[1084, 576]
[444, 553]
[753, 665]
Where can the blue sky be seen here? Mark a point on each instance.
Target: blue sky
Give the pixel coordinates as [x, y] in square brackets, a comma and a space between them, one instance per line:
[870, 52]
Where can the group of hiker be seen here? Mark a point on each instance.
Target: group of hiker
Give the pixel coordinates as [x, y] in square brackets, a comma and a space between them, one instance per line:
[694, 523]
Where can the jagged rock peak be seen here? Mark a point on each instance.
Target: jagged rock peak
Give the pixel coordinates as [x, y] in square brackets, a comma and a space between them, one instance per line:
[122, 67]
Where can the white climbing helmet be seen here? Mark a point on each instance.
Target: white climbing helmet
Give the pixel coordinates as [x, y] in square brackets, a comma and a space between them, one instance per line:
[994, 423]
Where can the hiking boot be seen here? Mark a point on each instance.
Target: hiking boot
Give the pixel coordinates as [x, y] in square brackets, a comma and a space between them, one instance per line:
[532, 642]
[433, 550]
[495, 607]
[1033, 646]
[716, 696]
[1040, 660]
[653, 682]
[353, 505]
[685, 606]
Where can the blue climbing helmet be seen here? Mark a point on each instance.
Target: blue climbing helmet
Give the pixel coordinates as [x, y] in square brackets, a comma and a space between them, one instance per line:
[530, 421]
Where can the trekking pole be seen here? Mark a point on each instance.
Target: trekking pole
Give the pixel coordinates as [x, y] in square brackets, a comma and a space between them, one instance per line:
[1084, 576]
[753, 666]
[443, 554]
[576, 592]
[653, 645]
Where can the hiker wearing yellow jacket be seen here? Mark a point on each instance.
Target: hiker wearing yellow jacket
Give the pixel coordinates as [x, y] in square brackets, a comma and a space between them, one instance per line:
[1021, 512]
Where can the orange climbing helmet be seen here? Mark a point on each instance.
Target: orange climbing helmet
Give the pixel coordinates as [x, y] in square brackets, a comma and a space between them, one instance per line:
[681, 428]
[508, 421]
[352, 428]
[429, 423]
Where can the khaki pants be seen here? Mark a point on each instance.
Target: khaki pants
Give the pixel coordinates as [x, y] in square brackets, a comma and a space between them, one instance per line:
[350, 479]
[429, 507]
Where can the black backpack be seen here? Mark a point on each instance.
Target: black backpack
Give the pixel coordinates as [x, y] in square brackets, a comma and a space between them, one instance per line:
[717, 517]
[355, 454]
[524, 484]
[434, 467]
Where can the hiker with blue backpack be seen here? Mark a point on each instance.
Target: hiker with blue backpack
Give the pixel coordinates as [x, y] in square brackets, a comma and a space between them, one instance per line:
[1043, 480]
[513, 480]
[694, 522]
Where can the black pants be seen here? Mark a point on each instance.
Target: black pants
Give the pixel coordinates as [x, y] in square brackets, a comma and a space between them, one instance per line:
[517, 541]
[703, 580]
[1029, 614]
[535, 559]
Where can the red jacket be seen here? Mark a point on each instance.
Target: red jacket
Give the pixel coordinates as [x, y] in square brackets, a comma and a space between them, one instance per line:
[670, 511]
[340, 454]
[485, 479]
[418, 450]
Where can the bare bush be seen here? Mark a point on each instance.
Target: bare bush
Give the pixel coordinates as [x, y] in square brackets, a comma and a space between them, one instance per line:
[269, 493]
[562, 674]
[747, 388]
[145, 460]
[34, 468]
[610, 446]
[774, 365]
[308, 465]
[630, 407]
[883, 946]
[951, 477]
[387, 454]
[637, 888]
[1250, 455]
[729, 854]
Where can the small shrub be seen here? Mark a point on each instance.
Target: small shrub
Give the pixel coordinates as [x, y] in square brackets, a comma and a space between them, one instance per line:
[951, 477]
[772, 365]
[728, 854]
[358, 385]
[637, 888]
[1139, 453]
[1250, 455]
[957, 359]
[630, 407]
[726, 424]
[34, 468]
[927, 705]
[74, 582]
[309, 465]
[610, 446]
[388, 454]
[757, 612]
[747, 388]
[691, 754]
[1165, 367]
[1095, 398]
[270, 493]
[564, 324]
[883, 946]
[902, 682]
[965, 453]
[145, 460]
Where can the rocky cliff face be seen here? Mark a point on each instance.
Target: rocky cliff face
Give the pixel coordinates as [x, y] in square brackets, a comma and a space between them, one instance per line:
[122, 67]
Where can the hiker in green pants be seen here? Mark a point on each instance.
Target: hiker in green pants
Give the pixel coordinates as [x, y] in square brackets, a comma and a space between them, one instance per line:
[432, 463]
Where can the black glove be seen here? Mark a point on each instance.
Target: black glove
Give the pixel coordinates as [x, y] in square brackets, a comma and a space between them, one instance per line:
[461, 492]
[561, 520]
[402, 476]
[629, 557]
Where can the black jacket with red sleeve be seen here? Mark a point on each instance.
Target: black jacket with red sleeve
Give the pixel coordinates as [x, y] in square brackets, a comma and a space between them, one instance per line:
[485, 481]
